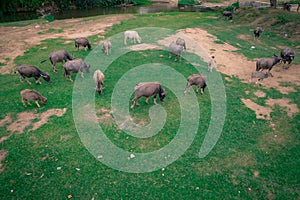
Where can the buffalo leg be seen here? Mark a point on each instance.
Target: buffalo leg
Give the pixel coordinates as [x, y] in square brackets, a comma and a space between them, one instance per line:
[28, 81]
[37, 103]
[54, 69]
[147, 100]
[21, 78]
[133, 102]
[37, 81]
[24, 102]
[155, 100]
[187, 88]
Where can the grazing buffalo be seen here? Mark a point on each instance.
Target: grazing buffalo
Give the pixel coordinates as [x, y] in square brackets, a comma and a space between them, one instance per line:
[227, 15]
[82, 42]
[106, 47]
[59, 56]
[28, 71]
[267, 63]
[133, 35]
[181, 42]
[99, 80]
[259, 75]
[148, 89]
[287, 55]
[198, 80]
[257, 32]
[32, 95]
[75, 66]
[176, 50]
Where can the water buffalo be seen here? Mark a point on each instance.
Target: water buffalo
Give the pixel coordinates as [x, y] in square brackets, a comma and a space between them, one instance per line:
[228, 15]
[28, 71]
[59, 56]
[75, 66]
[176, 50]
[181, 42]
[133, 35]
[99, 80]
[148, 89]
[257, 32]
[106, 47]
[199, 80]
[84, 42]
[287, 55]
[259, 75]
[267, 63]
[32, 95]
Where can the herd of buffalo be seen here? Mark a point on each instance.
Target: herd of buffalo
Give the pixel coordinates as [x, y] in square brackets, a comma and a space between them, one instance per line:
[143, 89]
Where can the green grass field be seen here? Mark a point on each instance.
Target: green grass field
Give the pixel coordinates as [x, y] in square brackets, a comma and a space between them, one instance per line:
[247, 162]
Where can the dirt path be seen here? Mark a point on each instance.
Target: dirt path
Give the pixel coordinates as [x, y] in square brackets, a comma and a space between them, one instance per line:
[16, 40]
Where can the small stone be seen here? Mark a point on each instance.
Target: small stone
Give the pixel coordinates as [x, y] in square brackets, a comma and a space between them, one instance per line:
[249, 189]
[58, 168]
[275, 135]
[197, 188]
[100, 156]
[11, 190]
[163, 174]
[132, 156]
[78, 169]
[163, 169]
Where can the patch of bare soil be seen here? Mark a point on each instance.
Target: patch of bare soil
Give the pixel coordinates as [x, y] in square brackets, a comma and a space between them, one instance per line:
[260, 111]
[25, 119]
[235, 64]
[291, 109]
[45, 116]
[260, 94]
[6, 120]
[3, 154]
[19, 39]
[143, 46]
[2, 139]
[104, 115]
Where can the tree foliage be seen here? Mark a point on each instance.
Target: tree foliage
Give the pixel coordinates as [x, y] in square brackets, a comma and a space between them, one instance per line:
[32, 5]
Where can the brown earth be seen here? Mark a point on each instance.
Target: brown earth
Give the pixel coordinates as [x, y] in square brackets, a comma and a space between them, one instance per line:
[25, 119]
[229, 62]
[16, 40]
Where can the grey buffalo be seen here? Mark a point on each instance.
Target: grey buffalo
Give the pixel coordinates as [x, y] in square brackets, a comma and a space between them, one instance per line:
[148, 89]
[176, 50]
[181, 42]
[82, 42]
[106, 47]
[28, 71]
[199, 80]
[32, 95]
[287, 55]
[227, 14]
[259, 75]
[267, 63]
[257, 32]
[75, 66]
[99, 80]
[59, 56]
